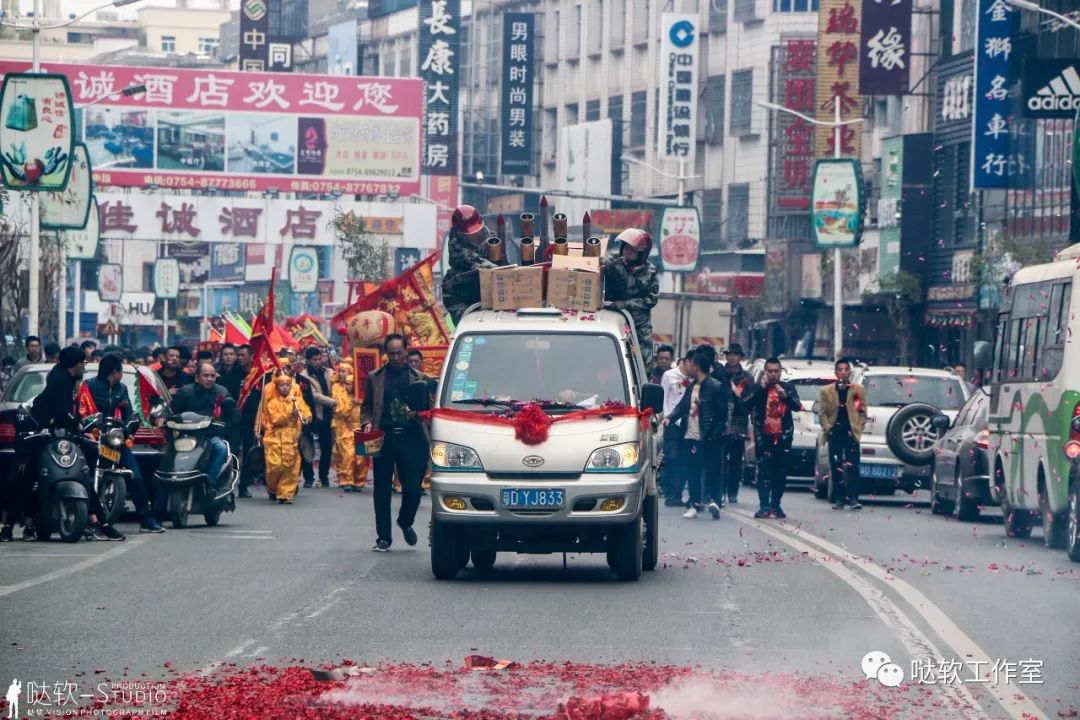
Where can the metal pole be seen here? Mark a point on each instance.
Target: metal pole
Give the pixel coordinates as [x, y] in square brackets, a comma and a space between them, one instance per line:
[203, 334]
[165, 322]
[838, 290]
[35, 203]
[61, 326]
[77, 300]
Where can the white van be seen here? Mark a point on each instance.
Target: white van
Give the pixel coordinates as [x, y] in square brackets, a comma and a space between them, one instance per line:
[1035, 402]
[589, 487]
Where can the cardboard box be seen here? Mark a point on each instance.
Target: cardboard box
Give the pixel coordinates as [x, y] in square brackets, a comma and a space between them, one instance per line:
[516, 287]
[575, 262]
[575, 289]
[487, 277]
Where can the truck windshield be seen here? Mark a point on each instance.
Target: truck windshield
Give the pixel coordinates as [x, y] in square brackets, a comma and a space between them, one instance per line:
[554, 368]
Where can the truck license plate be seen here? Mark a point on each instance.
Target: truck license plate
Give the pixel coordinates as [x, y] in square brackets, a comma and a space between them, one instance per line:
[532, 498]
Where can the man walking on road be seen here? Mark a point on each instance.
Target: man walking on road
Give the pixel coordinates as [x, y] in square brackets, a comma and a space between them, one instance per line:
[316, 389]
[842, 408]
[734, 442]
[702, 417]
[404, 445]
[771, 404]
[673, 479]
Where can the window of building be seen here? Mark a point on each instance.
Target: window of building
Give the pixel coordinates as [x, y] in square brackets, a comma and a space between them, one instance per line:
[571, 115]
[573, 34]
[618, 168]
[551, 134]
[592, 110]
[742, 102]
[208, 46]
[551, 38]
[642, 10]
[596, 26]
[148, 277]
[795, 5]
[712, 113]
[638, 112]
[738, 221]
[745, 10]
[617, 25]
[712, 219]
[718, 16]
[168, 43]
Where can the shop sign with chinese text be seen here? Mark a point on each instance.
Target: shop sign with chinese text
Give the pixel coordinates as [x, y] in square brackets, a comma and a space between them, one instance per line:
[166, 278]
[82, 243]
[440, 52]
[680, 239]
[886, 42]
[519, 67]
[303, 269]
[254, 35]
[993, 162]
[36, 136]
[837, 203]
[793, 161]
[678, 86]
[203, 129]
[69, 209]
[838, 75]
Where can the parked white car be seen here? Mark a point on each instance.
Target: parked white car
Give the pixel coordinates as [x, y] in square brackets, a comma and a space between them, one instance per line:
[921, 393]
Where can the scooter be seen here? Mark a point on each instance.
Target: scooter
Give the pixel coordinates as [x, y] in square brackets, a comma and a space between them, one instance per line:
[182, 472]
[61, 470]
[110, 477]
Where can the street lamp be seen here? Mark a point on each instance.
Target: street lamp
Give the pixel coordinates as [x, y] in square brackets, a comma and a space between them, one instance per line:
[681, 177]
[838, 294]
[1034, 7]
[35, 201]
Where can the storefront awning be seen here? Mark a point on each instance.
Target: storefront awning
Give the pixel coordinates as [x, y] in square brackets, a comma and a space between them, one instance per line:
[950, 319]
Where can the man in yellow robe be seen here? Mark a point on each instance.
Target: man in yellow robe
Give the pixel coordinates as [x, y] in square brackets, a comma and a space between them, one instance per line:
[284, 415]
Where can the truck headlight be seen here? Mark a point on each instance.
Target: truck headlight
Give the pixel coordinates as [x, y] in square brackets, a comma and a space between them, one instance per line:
[614, 458]
[448, 456]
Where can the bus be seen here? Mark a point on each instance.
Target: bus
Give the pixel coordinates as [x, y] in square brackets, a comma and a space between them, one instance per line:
[1034, 399]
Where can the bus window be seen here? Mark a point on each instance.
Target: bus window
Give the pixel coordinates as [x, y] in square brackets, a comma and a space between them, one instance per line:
[1016, 349]
[1000, 355]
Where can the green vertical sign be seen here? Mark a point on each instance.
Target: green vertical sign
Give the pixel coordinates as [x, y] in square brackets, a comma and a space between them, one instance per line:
[892, 183]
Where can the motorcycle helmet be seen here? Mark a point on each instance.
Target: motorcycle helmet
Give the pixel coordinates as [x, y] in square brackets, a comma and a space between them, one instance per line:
[466, 220]
[637, 239]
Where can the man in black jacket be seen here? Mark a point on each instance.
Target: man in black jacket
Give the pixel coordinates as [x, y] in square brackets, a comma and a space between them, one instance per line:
[734, 442]
[316, 389]
[702, 417]
[771, 404]
[110, 398]
[209, 399]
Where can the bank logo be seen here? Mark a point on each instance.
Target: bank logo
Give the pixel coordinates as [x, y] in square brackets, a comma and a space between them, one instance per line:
[1061, 94]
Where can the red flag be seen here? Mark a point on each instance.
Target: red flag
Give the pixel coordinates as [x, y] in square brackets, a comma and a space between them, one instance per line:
[233, 332]
[264, 357]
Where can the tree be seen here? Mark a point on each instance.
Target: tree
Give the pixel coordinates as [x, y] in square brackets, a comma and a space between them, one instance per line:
[900, 292]
[368, 257]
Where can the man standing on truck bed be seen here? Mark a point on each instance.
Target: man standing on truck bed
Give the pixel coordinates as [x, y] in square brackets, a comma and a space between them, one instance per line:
[461, 285]
[632, 283]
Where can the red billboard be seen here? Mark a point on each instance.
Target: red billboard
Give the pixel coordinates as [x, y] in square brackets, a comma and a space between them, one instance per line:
[201, 129]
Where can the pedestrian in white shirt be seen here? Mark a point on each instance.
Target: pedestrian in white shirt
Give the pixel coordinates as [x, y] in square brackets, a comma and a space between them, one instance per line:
[673, 475]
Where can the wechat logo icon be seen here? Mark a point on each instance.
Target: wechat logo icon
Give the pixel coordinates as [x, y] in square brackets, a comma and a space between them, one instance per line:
[877, 665]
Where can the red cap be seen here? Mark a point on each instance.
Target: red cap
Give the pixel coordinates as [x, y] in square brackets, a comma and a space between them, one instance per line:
[638, 239]
[466, 220]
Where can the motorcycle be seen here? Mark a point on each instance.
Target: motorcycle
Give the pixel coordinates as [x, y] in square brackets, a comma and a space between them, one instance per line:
[61, 470]
[183, 471]
[110, 478]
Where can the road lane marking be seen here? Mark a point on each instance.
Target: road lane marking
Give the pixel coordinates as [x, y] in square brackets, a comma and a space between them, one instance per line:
[914, 639]
[44, 555]
[1013, 700]
[90, 562]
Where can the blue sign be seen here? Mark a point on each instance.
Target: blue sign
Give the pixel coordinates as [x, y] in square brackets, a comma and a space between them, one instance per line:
[992, 162]
[227, 261]
[222, 299]
[518, 74]
[405, 258]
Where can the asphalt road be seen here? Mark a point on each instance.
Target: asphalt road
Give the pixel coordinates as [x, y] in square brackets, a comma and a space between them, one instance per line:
[809, 596]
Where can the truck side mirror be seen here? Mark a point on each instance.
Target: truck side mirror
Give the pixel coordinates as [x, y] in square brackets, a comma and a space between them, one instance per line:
[652, 398]
[418, 396]
[984, 355]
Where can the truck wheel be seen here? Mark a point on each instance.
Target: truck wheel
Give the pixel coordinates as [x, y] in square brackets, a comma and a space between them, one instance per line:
[911, 436]
[483, 560]
[651, 512]
[626, 550]
[445, 553]
[178, 508]
[1072, 546]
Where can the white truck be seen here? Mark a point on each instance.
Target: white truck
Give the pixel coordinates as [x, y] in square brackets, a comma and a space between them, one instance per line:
[684, 321]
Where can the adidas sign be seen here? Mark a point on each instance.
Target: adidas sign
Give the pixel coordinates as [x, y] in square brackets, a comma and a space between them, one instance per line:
[1061, 94]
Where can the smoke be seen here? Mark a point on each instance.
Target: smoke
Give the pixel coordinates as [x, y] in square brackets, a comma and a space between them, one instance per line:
[759, 698]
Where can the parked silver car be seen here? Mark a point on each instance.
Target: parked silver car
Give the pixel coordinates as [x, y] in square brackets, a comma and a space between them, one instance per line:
[921, 393]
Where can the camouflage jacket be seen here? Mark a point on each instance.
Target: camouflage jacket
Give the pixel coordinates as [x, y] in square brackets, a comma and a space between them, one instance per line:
[639, 288]
[461, 285]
